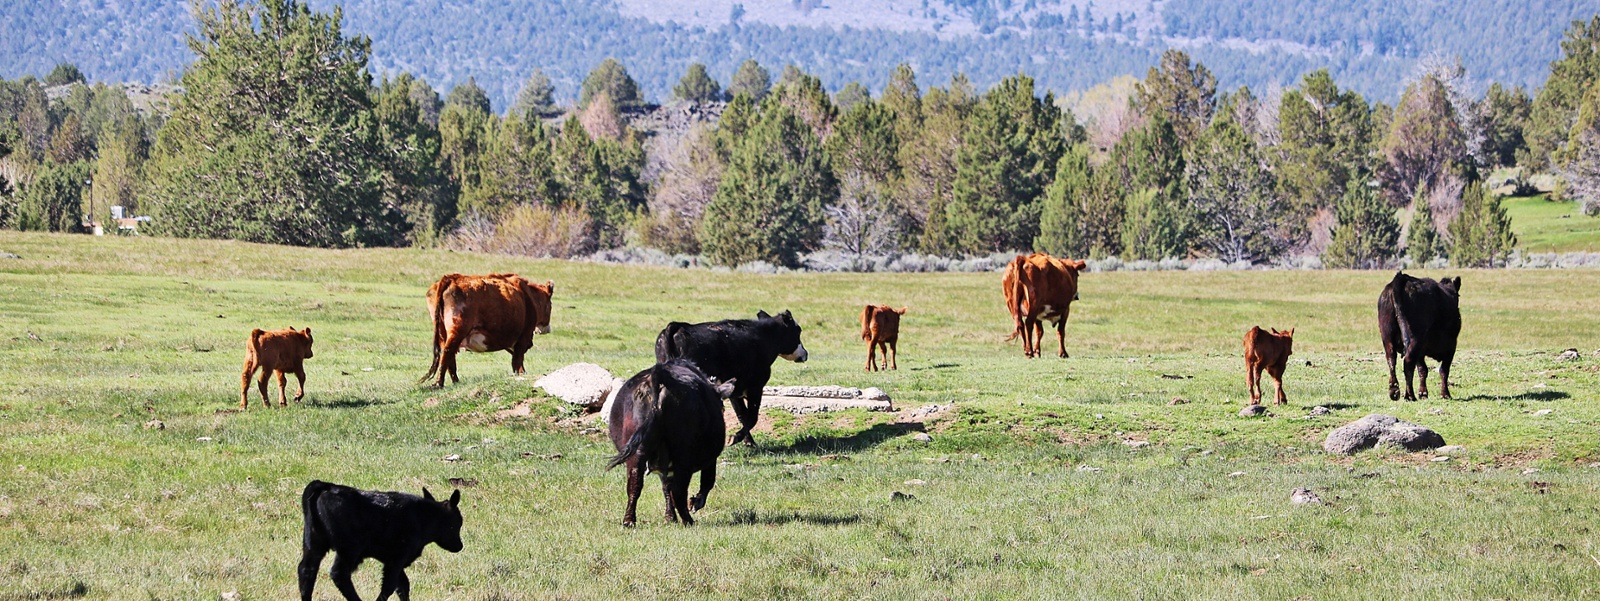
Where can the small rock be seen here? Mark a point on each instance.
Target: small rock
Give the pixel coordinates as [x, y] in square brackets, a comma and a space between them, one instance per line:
[452, 457]
[366, 369]
[1531, 470]
[1206, 452]
[1177, 400]
[1252, 411]
[922, 437]
[584, 384]
[1304, 496]
[1544, 412]
[1450, 449]
[1099, 416]
[203, 439]
[1570, 354]
[915, 482]
[1440, 459]
[155, 424]
[900, 496]
[1135, 444]
[232, 596]
[1086, 468]
[463, 482]
[1235, 474]
[1320, 410]
[977, 457]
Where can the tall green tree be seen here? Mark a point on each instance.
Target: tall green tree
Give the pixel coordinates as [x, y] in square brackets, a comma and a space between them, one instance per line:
[1423, 242]
[752, 79]
[118, 168]
[1554, 114]
[1503, 115]
[516, 169]
[1480, 234]
[929, 160]
[697, 86]
[414, 175]
[273, 139]
[1006, 161]
[769, 205]
[537, 99]
[1239, 214]
[612, 79]
[601, 176]
[1368, 235]
[864, 142]
[803, 93]
[464, 132]
[469, 94]
[54, 201]
[1082, 212]
[850, 95]
[1182, 91]
[63, 74]
[1149, 165]
[1423, 143]
[1326, 138]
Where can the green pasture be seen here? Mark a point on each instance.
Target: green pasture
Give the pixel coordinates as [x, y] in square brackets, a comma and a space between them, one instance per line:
[1028, 489]
[1545, 226]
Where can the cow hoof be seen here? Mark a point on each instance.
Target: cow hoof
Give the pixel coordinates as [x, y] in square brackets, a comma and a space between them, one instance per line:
[697, 503]
[627, 523]
[1394, 395]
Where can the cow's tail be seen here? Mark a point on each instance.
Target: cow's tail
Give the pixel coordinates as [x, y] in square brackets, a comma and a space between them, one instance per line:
[866, 323]
[667, 343]
[308, 507]
[255, 341]
[1398, 293]
[647, 399]
[1014, 300]
[438, 327]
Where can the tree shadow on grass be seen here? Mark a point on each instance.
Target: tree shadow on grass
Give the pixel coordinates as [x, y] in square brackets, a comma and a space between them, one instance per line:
[345, 403]
[749, 517]
[1541, 396]
[935, 366]
[860, 441]
[78, 590]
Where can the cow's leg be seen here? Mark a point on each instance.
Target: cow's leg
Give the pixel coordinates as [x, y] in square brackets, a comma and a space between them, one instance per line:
[300, 376]
[894, 355]
[708, 479]
[261, 384]
[310, 560]
[403, 585]
[390, 582]
[283, 388]
[1422, 376]
[519, 352]
[748, 408]
[1394, 383]
[447, 363]
[872, 349]
[1250, 375]
[635, 486]
[1061, 333]
[668, 488]
[1410, 368]
[244, 384]
[343, 567]
[1277, 377]
[1027, 337]
[680, 496]
[1444, 378]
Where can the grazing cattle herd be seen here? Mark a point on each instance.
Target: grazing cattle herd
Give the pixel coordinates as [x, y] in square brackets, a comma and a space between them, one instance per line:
[668, 418]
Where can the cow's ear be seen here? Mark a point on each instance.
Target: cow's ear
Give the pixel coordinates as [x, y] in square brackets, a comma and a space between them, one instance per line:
[1079, 265]
[1291, 332]
[307, 331]
[427, 495]
[762, 315]
[902, 310]
[1458, 284]
[455, 498]
[786, 317]
[725, 389]
[550, 286]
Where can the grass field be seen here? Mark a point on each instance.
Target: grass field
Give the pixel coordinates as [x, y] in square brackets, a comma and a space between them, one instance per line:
[100, 335]
[1543, 226]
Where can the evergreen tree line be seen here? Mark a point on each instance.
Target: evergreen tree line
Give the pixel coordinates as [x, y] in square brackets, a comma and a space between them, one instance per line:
[282, 136]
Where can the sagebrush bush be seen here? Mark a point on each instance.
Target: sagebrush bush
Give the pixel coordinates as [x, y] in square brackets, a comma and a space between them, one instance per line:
[528, 230]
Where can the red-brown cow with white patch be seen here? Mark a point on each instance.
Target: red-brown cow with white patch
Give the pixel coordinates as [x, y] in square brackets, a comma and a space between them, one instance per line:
[276, 352]
[485, 313]
[1040, 287]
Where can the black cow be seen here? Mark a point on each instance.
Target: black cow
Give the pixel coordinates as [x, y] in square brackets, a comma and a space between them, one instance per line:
[391, 527]
[1420, 318]
[736, 349]
[668, 419]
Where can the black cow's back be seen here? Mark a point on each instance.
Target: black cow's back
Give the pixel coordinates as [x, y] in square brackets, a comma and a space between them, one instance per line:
[1427, 310]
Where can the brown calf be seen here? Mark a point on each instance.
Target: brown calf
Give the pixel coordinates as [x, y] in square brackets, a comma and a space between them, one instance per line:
[1269, 351]
[281, 352]
[880, 327]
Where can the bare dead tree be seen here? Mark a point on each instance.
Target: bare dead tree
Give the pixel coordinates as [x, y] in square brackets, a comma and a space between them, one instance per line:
[860, 224]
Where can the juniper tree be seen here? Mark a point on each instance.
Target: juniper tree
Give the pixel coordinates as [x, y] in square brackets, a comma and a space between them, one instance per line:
[1368, 234]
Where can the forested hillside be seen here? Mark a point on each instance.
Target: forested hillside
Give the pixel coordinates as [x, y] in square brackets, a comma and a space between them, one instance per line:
[1067, 45]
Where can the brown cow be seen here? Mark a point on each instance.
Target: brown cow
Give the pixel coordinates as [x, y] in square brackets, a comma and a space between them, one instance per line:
[880, 327]
[1269, 351]
[280, 352]
[1040, 287]
[485, 313]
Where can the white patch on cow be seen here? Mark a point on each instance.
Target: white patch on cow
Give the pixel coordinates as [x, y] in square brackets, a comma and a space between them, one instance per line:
[545, 329]
[477, 343]
[799, 354]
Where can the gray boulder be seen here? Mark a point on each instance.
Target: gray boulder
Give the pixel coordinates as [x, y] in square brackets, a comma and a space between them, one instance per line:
[584, 384]
[1376, 429]
[1252, 411]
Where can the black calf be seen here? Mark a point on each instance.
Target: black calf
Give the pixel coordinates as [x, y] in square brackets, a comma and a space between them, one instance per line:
[390, 527]
[736, 349]
[668, 419]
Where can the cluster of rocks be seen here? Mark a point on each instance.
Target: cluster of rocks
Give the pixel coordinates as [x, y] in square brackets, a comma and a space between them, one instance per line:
[593, 388]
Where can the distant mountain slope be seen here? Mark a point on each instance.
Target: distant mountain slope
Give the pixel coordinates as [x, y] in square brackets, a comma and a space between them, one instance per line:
[1368, 44]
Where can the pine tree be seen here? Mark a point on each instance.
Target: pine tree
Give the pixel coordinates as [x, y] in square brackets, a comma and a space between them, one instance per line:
[1148, 162]
[864, 142]
[1554, 114]
[1006, 161]
[1064, 218]
[537, 99]
[1481, 233]
[929, 159]
[1423, 143]
[1184, 93]
[54, 201]
[515, 169]
[469, 94]
[1326, 139]
[1368, 235]
[697, 87]
[413, 178]
[769, 206]
[612, 79]
[273, 139]
[1239, 215]
[1422, 241]
[850, 95]
[63, 74]
[751, 79]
